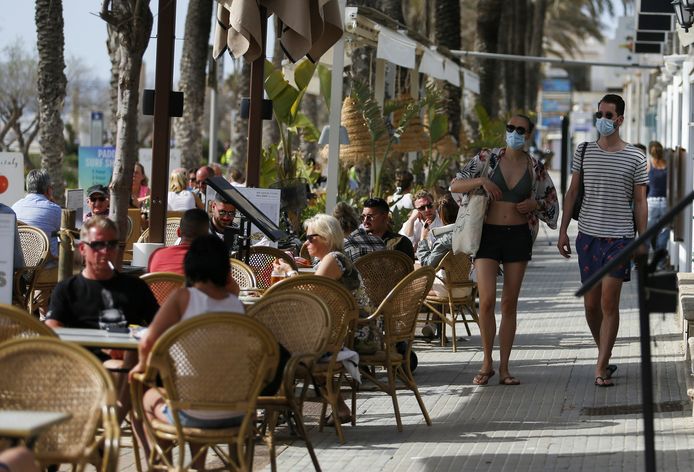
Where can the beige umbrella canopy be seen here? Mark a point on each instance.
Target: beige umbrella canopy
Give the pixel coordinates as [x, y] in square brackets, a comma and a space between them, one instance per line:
[358, 151]
[308, 27]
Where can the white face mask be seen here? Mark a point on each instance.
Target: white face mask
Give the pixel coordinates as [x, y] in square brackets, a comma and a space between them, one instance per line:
[604, 126]
[514, 140]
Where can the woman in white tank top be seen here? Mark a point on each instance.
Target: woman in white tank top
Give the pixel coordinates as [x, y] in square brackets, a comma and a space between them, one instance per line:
[207, 272]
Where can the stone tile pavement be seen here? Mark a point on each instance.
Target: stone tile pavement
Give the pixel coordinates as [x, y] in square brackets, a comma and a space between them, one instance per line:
[555, 420]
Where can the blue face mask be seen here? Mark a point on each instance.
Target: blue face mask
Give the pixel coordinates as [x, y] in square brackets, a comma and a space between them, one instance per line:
[514, 140]
[604, 126]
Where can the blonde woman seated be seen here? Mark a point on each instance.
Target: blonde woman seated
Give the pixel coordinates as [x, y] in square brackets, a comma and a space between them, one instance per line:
[324, 239]
[207, 269]
[180, 198]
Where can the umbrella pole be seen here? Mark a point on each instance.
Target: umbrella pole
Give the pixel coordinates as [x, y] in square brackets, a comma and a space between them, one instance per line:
[255, 119]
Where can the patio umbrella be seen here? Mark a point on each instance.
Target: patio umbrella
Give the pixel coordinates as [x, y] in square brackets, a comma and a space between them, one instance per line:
[307, 28]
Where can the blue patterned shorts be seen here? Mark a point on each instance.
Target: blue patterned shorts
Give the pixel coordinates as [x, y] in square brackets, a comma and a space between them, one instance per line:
[594, 253]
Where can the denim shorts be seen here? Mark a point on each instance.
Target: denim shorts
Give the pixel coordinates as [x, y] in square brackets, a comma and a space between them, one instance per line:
[594, 253]
[188, 421]
[506, 243]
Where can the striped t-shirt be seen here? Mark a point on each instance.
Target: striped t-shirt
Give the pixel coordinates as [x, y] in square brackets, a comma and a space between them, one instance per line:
[609, 179]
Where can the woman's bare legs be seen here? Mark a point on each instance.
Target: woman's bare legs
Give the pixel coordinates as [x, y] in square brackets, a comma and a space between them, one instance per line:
[513, 278]
[487, 270]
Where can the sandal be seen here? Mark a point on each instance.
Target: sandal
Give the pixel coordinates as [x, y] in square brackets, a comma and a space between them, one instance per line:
[603, 382]
[509, 380]
[482, 378]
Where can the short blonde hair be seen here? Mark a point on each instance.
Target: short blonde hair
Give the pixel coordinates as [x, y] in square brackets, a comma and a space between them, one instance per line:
[177, 181]
[99, 222]
[329, 229]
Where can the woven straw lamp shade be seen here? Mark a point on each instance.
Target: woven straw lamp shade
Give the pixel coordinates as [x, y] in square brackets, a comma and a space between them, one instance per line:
[358, 151]
[446, 146]
[415, 137]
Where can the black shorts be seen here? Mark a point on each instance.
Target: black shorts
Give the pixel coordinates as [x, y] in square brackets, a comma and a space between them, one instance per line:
[506, 243]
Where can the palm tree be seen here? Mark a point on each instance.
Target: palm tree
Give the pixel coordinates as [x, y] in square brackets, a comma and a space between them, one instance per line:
[51, 89]
[188, 129]
[448, 35]
[132, 22]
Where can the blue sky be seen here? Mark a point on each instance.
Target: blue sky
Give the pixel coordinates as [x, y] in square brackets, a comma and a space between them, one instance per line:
[85, 32]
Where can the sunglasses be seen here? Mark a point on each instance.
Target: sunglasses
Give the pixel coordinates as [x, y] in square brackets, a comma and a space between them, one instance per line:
[367, 217]
[99, 245]
[428, 206]
[518, 129]
[312, 237]
[97, 199]
[609, 115]
[230, 213]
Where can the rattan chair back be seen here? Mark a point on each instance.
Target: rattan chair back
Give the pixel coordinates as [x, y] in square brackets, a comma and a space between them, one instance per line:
[242, 273]
[171, 230]
[202, 368]
[381, 271]
[300, 321]
[163, 284]
[456, 267]
[260, 259]
[16, 323]
[214, 361]
[35, 249]
[47, 374]
[342, 305]
[401, 307]
[144, 237]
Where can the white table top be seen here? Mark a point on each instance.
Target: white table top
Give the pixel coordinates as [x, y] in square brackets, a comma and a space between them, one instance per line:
[97, 338]
[27, 424]
[307, 270]
[248, 300]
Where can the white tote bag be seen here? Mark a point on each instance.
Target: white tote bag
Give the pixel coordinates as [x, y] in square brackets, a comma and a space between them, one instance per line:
[468, 224]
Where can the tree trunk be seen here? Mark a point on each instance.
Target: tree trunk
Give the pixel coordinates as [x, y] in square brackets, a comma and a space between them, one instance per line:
[448, 35]
[271, 132]
[239, 141]
[188, 129]
[488, 19]
[132, 20]
[114, 56]
[51, 90]
[532, 69]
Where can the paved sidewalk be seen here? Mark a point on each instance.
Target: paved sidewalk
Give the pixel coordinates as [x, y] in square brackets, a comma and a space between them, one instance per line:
[555, 420]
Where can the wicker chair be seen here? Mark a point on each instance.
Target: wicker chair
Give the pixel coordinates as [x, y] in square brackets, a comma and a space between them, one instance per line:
[260, 259]
[170, 232]
[50, 375]
[163, 284]
[16, 323]
[343, 312]
[242, 274]
[381, 271]
[215, 361]
[399, 311]
[35, 248]
[300, 322]
[461, 292]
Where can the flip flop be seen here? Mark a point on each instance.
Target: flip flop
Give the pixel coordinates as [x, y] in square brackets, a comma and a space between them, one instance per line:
[482, 378]
[509, 380]
[611, 369]
[603, 382]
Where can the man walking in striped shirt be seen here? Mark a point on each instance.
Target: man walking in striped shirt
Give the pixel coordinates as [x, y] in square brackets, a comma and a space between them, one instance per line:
[614, 208]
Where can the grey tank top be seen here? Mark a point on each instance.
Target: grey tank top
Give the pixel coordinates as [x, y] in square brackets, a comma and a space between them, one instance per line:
[518, 193]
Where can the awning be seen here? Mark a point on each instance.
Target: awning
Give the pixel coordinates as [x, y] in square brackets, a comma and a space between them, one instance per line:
[451, 72]
[432, 64]
[396, 48]
[307, 27]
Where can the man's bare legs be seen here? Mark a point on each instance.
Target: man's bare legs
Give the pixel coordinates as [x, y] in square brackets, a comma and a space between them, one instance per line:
[602, 314]
[513, 278]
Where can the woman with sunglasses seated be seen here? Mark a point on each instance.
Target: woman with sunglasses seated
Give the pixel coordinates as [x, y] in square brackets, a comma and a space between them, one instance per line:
[520, 194]
[325, 238]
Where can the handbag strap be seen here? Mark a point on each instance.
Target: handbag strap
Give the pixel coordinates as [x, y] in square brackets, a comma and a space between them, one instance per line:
[583, 153]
